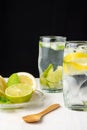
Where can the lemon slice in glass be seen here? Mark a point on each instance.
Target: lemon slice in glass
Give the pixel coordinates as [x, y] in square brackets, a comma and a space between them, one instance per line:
[75, 56]
[75, 63]
[19, 93]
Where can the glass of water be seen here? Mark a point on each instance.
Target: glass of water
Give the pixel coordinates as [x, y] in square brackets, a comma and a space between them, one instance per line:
[50, 61]
[75, 75]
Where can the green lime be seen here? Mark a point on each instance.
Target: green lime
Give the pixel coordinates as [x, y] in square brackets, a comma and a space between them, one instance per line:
[28, 78]
[13, 79]
[51, 78]
[57, 45]
[47, 70]
[4, 100]
[18, 93]
[53, 45]
[43, 76]
[54, 78]
[44, 44]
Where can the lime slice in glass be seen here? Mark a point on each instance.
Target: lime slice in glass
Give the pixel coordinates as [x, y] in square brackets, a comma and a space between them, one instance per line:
[57, 45]
[43, 76]
[19, 93]
[54, 77]
[44, 44]
[51, 78]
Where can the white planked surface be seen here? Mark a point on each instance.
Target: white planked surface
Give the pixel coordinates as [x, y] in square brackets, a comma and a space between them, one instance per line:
[60, 119]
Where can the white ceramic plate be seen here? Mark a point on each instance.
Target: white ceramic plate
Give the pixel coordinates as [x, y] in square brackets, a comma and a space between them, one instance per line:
[37, 98]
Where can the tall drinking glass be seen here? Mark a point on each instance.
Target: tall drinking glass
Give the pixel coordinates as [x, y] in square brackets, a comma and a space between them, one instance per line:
[50, 60]
[75, 75]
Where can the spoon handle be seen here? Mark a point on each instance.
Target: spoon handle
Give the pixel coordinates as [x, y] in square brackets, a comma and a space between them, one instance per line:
[49, 109]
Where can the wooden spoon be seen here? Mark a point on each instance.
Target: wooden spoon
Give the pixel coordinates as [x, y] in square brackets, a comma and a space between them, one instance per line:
[36, 117]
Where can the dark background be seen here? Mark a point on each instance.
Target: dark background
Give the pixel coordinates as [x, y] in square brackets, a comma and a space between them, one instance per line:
[23, 22]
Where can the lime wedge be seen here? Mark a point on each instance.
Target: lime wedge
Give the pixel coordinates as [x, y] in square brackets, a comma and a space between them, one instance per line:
[19, 93]
[13, 79]
[43, 76]
[54, 78]
[51, 78]
[53, 45]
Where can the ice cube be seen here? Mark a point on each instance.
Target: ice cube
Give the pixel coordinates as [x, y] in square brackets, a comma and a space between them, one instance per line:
[83, 91]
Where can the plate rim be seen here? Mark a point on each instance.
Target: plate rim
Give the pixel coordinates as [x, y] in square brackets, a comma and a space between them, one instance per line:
[24, 104]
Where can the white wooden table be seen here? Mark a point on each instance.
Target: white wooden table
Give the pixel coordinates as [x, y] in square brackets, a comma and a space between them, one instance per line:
[60, 119]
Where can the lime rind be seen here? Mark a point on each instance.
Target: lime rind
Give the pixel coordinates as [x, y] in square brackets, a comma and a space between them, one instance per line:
[53, 45]
[13, 79]
[43, 76]
[55, 85]
[58, 45]
[47, 70]
[44, 44]
[4, 100]
[19, 93]
[55, 78]
[51, 78]
[9, 83]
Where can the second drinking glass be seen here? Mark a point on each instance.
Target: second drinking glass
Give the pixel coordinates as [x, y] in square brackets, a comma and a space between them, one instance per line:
[50, 61]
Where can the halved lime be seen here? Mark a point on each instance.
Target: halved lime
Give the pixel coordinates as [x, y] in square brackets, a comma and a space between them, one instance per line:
[28, 78]
[19, 93]
[13, 79]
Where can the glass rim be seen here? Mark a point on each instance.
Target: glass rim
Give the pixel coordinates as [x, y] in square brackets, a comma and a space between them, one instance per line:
[77, 41]
[52, 36]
